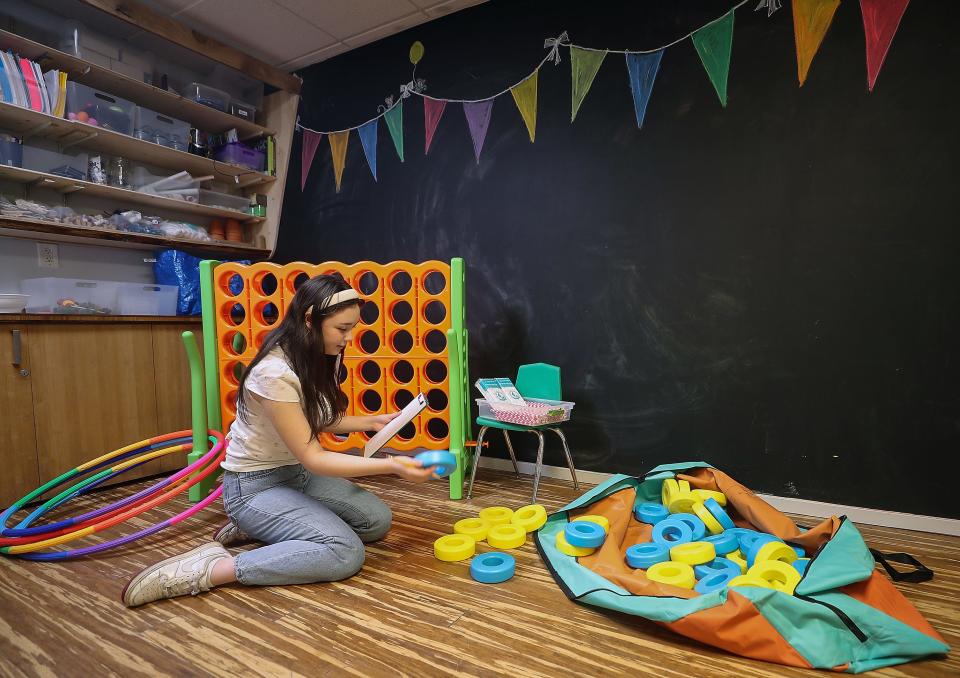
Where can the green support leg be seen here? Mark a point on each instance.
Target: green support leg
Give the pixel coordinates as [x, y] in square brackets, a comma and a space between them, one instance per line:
[199, 415]
[457, 446]
[211, 366]
[460, 428]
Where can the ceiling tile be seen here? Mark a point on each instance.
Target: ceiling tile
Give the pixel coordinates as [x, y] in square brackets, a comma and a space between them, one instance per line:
[385, 30]
[450, 6]
[314, 57]
[343, 18]
[168, 7]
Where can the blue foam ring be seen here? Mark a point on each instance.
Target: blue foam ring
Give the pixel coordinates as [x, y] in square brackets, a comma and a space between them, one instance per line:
[754, 547]
[724, 543]
[801, 565]
[584, 534]
[717, 512]
[799, 551]
[716, 581]
[714, 566]
[740, 531]
[642, 556]
[747, 539]
[492, 567]
[682, 532]
[651, 513]
[696, 525]
[443, 462]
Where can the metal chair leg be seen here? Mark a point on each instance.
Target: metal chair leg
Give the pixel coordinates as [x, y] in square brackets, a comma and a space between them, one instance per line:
[566, 451]
[539, 468]
[513, 457]
[476, 459]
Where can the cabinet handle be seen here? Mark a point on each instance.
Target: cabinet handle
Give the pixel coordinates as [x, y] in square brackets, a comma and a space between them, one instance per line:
[17, 348]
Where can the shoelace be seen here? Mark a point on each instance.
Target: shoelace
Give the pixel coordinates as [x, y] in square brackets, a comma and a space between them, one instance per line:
[178, 586]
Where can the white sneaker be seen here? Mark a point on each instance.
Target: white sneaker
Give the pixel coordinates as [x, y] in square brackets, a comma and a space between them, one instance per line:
[229, 533]
[176, 576]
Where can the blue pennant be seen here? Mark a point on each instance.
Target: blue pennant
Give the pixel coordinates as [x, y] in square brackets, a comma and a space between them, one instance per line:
[642, 69]
[368, 137]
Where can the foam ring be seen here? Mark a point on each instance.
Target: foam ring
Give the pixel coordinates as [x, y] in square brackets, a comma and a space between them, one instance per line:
[497, 515]
[493, 567]
[453, 547]
[651, 513]
[715, 582]
[681, 531]
[599, 520]
[569, 550]
[584, 534]
[724, 543]
[669, 491]
[800, 565]
[696, 525]
[693, 553]
[775, 550]
[642, 556]
[682, 503]
[675, 574]
[531, 518]
[506, 536]
[737, 558]
[750, 580]
[753, 548]
[443, 462]
[703, 495]
[716, 565]
[780, 575]
[476, 528]
[746, 540]
[718, 513]
[684, 486]
[701, 512]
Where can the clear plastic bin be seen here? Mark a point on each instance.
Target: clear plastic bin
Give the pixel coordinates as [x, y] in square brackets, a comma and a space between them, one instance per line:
[142, 299]
[208, 96]
[237, 153]
[72, 164]
[11, 151]
[537, 412]
[202, 196]
[68, 295]
[93, 107]
[160, 129]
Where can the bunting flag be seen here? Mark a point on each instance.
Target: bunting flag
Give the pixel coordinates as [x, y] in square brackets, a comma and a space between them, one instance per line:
[308, 148]
[394, 118]
[713, 43]
[338, 149]
[584, 64]
[525, 97]
[432, 110]
[881, 19]
[642, 70]
[811, 19]
[368, 139]
[478, 120]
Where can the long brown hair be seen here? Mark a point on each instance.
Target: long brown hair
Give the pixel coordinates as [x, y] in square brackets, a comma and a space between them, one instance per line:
[323, 401]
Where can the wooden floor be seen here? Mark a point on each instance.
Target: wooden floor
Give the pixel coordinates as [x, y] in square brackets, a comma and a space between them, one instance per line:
[406, 613]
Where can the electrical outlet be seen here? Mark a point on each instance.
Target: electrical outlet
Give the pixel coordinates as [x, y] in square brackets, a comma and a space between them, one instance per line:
[48, 255]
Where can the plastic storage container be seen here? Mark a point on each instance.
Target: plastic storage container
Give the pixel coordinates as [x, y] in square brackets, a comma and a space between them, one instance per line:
[160, 129]
[72, 165]
[68, 295]
[208, 96]
[237, 153]
[11, 151]
[141, 299]
[202, 196]
[537, 412]
[101, 109]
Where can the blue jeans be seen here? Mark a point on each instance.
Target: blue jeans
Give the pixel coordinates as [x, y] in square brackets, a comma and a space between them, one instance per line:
[314, 526]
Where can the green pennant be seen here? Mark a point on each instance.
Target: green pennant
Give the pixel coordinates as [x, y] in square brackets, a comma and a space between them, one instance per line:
[713, 43]
[584, 64]
[394, 118]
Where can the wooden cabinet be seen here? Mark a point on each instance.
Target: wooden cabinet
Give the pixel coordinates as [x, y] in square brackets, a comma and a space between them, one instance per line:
[18, 444]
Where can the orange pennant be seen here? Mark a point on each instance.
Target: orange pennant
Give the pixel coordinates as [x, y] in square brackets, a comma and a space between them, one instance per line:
[338, 149]
[811, 19]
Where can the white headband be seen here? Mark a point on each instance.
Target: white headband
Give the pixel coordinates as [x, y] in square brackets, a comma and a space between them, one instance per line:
[334, 299]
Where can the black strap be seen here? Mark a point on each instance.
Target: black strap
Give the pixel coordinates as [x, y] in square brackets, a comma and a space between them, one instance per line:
[920, 573]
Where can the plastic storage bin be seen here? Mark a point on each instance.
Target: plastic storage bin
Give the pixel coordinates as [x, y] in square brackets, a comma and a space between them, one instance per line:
[537, 412]
[141, 299]
[72, 165]
[208, 96]
[94, 107]
[237, 153]
[202, 196]
[160, 129]
[68, 295]
[11, 151]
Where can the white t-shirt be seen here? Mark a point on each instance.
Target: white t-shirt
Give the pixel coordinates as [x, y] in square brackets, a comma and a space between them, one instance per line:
[255, 444]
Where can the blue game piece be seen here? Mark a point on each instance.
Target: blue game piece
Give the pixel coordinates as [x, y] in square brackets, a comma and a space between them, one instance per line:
[714, 566]
[724, 543]
[755, 545]
[672, 531]
[696, 525]
[443, 462]
[747, 539]
[715, 582]
[642, 556]
[717, 512]
[584, 534]
[801, 564]
[651, 513]
[492, 567]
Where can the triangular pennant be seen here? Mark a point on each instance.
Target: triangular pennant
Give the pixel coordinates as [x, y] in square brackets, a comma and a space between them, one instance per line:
[811, 19]
[338, 149]
[394, 118]
[368, 139]
[642, 69]
[308, 148]
[432, 110]
[584, 64]
[713, 43]
[525, 97]
[881, 18]
[478, 120]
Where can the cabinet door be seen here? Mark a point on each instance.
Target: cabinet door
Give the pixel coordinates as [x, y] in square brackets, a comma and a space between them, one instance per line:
[18, 443]
[173, 383]
[93, 392]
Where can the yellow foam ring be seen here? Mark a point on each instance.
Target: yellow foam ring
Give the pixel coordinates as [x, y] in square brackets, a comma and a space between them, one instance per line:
[737, 557]
[682, 503]
[669, 491]
[693, 553]
[563, 546]
[750, 580]
[776, 550]
[675, 574]
[531, 518]
[54, 541]
[713, 525]
[703, 495]
[599, 520]
[506, 536]
[476, 528]
[497, 515]
[452, 547]
[684, 486]
[778, 574]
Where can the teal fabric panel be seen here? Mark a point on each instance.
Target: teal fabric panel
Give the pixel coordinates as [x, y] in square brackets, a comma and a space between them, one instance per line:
[843, 560]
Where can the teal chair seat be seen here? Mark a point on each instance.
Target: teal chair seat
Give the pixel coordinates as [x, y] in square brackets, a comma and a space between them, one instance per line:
[537, 380]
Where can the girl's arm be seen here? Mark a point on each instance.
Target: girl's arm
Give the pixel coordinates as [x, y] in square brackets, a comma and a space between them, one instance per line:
[292, 426]
[374, 422]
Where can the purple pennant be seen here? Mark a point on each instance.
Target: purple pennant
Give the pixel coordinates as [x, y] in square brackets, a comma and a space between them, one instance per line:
[311, 140]
[478, 120]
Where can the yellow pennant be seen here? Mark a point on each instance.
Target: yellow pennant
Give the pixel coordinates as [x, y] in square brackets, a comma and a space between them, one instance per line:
[811, 19]
[525, 96]
[338, 149]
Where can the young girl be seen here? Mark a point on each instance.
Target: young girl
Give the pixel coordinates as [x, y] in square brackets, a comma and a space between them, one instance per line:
[280, 487]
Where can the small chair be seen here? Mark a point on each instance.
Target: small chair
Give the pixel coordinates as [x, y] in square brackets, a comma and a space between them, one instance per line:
[537, 380]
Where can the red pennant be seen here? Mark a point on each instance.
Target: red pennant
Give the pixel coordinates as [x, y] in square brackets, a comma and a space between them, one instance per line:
[881, 18]
[311, 140]
[432, 110]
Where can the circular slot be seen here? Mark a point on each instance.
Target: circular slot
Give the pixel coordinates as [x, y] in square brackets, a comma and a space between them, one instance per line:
[435, 341]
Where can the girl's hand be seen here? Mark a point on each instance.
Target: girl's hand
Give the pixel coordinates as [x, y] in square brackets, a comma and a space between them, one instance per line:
[378, 421]
[412, 470]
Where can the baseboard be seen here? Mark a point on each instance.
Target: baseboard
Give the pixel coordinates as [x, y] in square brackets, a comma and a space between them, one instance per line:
[805, 507]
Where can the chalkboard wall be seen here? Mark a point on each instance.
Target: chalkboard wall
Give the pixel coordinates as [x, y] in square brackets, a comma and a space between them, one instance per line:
[771, 286]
